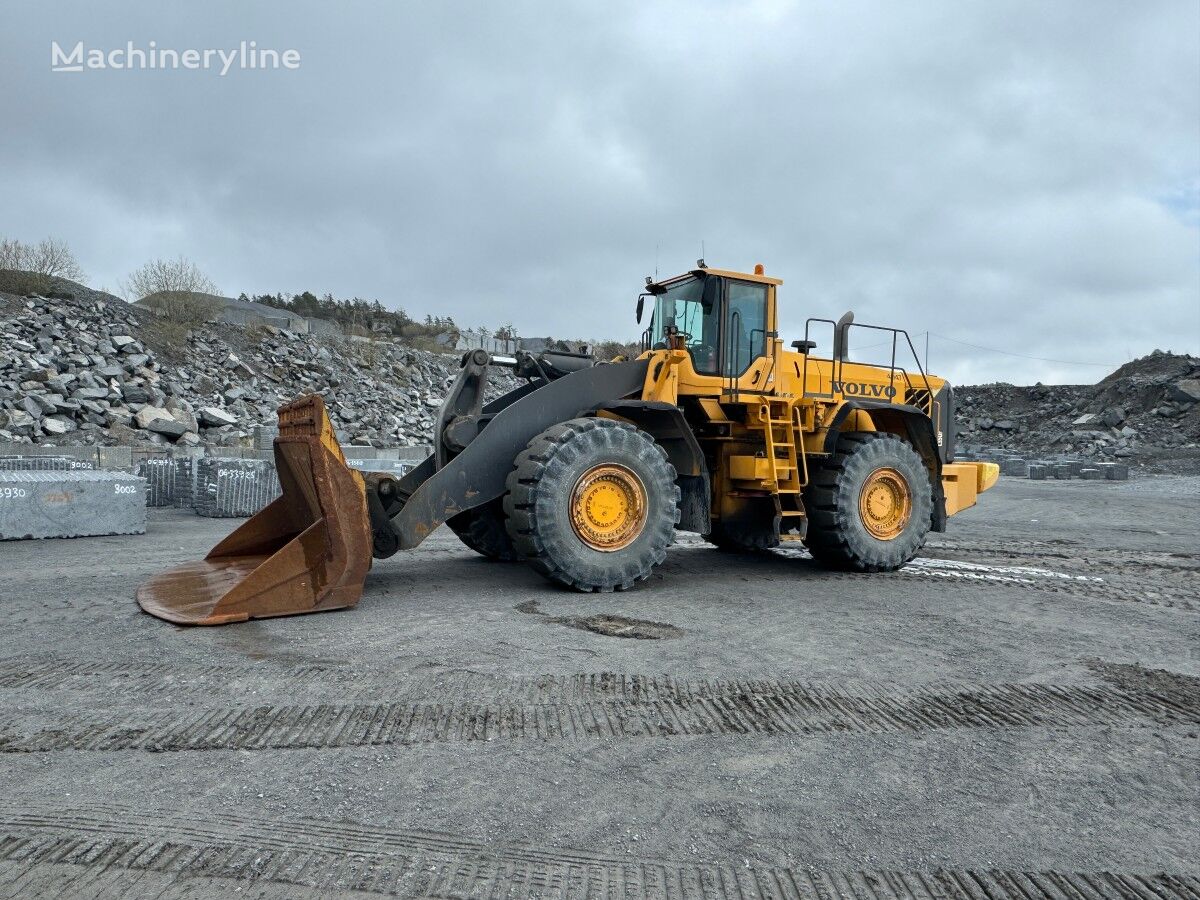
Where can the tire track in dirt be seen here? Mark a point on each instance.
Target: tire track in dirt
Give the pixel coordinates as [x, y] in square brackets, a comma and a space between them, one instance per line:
[611, 707]
[1156, 578]
[1168, 586]
[76, 853]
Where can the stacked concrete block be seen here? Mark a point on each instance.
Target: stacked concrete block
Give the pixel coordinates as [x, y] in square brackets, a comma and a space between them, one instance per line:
[1115, 471]
[1061, 471]
[232, 488]
[1015, 467]
[394, 467]
[1037, 472]
[264, 436]
[34, 464]
[84, 457]
[169, 482]
[114, 458]
[67, 503]
[1076, 467]
[1090, 474]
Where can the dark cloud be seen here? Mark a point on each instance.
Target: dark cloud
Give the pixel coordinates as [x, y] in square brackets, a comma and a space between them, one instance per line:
[1023, 176]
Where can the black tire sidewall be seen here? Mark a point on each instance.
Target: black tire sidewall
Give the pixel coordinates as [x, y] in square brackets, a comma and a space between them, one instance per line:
[861, 549]
[557, 550]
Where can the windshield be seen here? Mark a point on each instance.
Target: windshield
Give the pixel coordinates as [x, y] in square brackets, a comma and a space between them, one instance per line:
[690, 307]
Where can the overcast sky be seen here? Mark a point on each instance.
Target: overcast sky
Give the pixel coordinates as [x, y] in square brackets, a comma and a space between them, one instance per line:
[1020, 176]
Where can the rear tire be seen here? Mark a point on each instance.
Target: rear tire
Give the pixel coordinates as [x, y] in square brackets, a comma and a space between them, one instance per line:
[482, 529]
[869, 505]
[592, 504]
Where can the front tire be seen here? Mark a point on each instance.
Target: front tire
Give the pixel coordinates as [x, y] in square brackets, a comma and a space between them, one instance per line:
[869, 505]
[592, 504]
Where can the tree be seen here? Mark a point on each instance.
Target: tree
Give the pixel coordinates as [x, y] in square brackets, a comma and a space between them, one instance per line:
[167, 276]
[50, 257]
[176, 289]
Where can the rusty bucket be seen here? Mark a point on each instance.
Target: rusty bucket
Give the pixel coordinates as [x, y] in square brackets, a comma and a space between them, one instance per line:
[308, 551]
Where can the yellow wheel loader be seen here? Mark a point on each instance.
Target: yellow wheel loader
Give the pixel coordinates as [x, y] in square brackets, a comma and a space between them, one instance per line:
[586, 471]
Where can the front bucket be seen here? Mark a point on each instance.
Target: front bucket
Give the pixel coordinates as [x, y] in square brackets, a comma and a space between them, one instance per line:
[308, 551]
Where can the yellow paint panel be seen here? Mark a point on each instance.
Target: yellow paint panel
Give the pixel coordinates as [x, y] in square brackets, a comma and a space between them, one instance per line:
[748, 468]
[965, 481]
[712, 409]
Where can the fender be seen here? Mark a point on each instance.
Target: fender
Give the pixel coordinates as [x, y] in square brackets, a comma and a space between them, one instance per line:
[908, 422]
[430, 494]
[670, 429]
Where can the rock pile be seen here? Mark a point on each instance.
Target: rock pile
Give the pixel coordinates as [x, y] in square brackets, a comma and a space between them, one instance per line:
[88, 368]
[1147, 410]
[92, 369]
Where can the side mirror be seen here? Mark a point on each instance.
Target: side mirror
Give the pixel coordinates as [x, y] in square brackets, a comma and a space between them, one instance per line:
[640, 306]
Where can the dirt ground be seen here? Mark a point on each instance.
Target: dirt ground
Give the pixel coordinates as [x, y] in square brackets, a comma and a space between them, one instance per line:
[1015, 714]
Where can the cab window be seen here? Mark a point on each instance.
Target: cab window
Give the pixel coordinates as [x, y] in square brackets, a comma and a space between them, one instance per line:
[691, 306]
[746, 326]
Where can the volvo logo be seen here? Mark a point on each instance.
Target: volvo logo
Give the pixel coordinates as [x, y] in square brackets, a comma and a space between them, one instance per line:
[862, 389]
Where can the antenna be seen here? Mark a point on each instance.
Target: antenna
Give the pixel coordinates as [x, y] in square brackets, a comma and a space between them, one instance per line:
[656, 246]
[702, 254]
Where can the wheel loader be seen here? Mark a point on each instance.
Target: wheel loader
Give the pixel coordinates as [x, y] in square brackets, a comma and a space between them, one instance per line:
[586, 471]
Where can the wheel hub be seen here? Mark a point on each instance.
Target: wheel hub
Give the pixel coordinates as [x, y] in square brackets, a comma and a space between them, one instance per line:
[885, 504]
[608, 507]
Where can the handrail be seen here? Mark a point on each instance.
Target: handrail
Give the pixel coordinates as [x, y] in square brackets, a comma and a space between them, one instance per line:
[735, 319]
[804, 373]
[838, 361]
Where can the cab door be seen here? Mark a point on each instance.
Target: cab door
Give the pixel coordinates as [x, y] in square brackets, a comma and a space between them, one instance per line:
[745, 327]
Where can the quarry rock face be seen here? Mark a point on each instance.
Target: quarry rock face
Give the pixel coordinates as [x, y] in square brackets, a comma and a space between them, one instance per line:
[1149, 407]
[93, 369]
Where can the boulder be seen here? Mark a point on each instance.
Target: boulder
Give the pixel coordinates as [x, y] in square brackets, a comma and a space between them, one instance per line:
[215, 417]
[167, 428]
[134, 393]
[148, 414]
[1185, 391]
[1113, 417]
[57, 425]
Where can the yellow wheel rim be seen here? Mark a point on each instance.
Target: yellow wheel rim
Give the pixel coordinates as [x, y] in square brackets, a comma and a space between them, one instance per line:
[608, 507]
[885, 504]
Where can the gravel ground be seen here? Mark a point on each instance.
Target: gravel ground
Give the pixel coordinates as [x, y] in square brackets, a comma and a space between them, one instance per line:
[1014, 714]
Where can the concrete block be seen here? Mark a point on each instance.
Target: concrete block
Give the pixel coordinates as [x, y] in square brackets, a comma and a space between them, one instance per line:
[45, 463]
[169, 481]
[264, 436]
[1037, 473]
[1090, 474]
[114, 457]
[1061, 471]
[395, 467]
[231, 488]
[79, 454]
[1016, 467]
[1115, 471]
[34, 464]
[1076, 466]
[70, 504]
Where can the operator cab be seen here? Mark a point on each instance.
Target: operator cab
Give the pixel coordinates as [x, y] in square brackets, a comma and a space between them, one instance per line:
[721, 318]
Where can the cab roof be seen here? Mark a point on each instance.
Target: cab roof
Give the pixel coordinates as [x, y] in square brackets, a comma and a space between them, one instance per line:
[722, 273]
